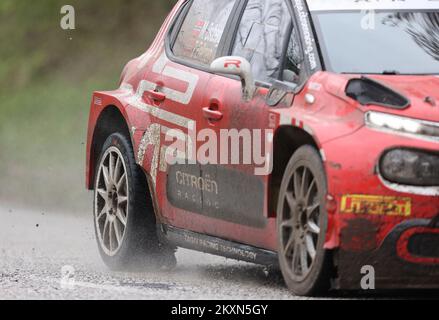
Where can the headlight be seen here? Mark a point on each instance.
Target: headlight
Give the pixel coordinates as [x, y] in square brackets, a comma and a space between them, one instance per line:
[410, 167]
[422, 129]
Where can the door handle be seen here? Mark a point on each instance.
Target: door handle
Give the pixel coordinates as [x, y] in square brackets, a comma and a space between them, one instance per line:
[156, 95]
[212, 115]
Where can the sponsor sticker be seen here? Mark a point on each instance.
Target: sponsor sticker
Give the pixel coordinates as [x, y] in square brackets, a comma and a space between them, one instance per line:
[97, 101]
[376, 205]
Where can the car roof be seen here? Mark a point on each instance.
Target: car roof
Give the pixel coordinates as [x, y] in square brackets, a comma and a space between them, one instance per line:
[345, 5]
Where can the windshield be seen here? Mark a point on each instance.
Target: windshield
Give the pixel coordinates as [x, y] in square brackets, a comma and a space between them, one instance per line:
[379, 42]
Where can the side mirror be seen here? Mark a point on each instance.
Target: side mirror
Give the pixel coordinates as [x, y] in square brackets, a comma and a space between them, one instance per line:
[291, 77]
[240, 67]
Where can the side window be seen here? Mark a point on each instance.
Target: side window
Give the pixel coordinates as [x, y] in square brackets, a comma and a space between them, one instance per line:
[262, 35]
[202, 30]
[293, 60]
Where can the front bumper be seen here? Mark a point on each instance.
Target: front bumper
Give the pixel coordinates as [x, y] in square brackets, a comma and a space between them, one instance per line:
[407, 259]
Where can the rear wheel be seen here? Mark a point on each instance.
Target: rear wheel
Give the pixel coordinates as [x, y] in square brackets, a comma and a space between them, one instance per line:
[124, 217]
[302, 224]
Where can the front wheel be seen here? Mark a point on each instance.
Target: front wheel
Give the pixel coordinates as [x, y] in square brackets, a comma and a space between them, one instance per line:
[124, 218]
[302, 224]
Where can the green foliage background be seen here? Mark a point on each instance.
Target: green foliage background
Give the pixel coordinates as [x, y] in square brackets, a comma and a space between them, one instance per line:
[47, 76]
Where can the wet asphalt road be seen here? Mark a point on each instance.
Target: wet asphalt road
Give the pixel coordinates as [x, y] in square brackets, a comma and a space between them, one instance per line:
[41, 253]
[51, 255]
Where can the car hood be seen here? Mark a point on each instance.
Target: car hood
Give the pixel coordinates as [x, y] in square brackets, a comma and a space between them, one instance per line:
[421, 91]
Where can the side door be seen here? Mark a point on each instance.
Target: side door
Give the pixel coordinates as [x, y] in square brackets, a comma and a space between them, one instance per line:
[267, 38]
[182, 75]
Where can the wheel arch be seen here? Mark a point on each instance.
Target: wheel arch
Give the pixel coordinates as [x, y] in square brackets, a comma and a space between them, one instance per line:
[287, 140]
[110, 121]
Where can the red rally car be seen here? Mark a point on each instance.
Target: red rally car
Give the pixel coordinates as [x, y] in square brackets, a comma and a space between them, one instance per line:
[303, 134]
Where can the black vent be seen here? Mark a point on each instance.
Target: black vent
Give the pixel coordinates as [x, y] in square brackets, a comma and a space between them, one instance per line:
[424, 245]
[369, 92]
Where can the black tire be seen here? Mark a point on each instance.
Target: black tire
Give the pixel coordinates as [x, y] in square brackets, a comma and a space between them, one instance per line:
[305, 264]
[139, 246]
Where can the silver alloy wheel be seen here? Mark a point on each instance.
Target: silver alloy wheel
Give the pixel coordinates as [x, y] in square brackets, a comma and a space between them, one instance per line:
[300, 229]
[111, 201]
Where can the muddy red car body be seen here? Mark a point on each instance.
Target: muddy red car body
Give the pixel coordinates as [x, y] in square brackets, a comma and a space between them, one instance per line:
[361, 124]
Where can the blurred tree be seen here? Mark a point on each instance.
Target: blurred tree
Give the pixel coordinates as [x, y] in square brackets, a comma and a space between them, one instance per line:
[34, 45]
[47, 75]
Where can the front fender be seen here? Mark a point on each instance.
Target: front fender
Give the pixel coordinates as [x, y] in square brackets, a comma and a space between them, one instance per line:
[135, 120]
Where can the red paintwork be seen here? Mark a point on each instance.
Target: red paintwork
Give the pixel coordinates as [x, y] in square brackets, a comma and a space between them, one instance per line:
[335, 121]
